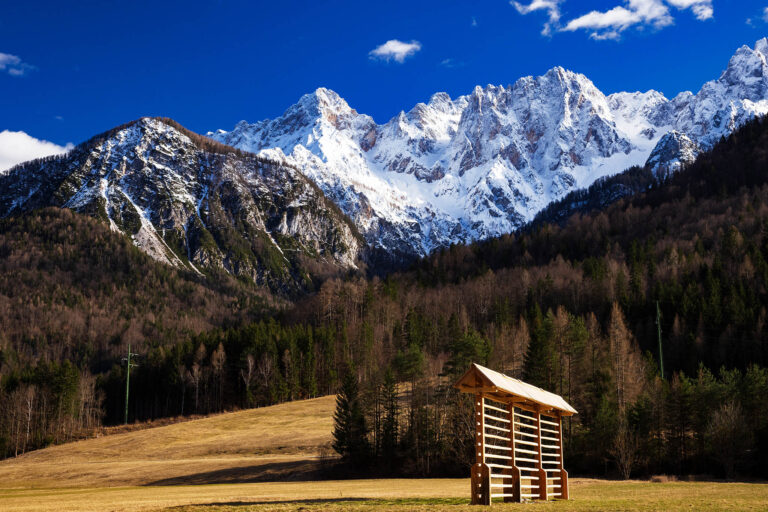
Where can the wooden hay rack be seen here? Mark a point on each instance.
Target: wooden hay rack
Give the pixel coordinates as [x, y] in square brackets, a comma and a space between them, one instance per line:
[518, 439]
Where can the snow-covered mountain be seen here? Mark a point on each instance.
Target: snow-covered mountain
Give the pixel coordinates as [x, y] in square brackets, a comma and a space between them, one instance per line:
[191, 202]
[456, 170]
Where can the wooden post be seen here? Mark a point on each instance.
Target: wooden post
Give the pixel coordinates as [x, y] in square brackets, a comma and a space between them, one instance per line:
[542, 474]
[564, 494]
[481, 473]
[515, 472]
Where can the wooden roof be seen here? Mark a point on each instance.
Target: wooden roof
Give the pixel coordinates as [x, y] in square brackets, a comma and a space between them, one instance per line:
[479, 379]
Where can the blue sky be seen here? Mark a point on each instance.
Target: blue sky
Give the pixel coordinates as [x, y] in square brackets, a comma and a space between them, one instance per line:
[69, 70]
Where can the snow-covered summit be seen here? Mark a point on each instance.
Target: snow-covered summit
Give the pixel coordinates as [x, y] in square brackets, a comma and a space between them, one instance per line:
[456, 170]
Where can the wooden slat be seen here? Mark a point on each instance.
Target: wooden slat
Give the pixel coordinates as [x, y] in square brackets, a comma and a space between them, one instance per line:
[529, 443]
[534, 436]
[524, 425]
[550, 431]
[526, 451]
[500, 466]
[522, 459]
[493, 436]
[529, 495]
[498, 447]
[495, 408]
[497, 428]
[492, 456]
[550, 438]
[550, 423]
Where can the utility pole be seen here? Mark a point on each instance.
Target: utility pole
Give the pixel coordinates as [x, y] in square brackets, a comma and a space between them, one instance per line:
[661, 351]
[128, 366]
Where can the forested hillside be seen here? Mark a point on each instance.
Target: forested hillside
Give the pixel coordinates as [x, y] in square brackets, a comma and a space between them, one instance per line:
[570, 308]
[73, 295]
[573, 309]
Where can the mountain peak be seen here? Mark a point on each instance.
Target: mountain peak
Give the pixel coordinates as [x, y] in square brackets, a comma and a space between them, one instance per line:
[324, 100]
[160, 184]
[747, 71]
[482, 164]
[762, 46]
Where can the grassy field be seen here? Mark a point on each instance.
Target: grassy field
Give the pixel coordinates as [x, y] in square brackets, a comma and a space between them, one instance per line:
[227, 463]
[279, 442]
[389, 495]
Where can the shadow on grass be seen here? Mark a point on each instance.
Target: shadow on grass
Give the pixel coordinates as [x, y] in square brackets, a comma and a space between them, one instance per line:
[269, 472]
[326, 501]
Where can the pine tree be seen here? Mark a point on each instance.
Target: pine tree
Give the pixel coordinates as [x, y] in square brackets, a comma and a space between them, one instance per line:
[350, 433]
[389, 428]
[539, 359]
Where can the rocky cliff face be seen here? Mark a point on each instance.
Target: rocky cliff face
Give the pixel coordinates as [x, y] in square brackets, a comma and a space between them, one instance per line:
[194, 203]
[673, 151]
[456, 170]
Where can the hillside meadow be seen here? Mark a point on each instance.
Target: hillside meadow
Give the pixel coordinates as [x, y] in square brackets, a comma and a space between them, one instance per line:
[278, 458]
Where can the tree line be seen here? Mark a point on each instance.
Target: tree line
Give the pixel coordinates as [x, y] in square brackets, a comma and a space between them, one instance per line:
[570, 308]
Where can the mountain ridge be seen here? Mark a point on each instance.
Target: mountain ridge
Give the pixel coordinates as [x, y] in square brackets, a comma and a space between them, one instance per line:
[483, 164]
[194, 203]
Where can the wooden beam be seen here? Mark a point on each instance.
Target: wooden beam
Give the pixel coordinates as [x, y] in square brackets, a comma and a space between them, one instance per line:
[515, 472]
[542, 474]
[481, 475]
[565, 493]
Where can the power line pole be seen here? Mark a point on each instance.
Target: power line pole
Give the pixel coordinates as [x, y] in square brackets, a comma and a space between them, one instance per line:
[661, 351]
[128, 366]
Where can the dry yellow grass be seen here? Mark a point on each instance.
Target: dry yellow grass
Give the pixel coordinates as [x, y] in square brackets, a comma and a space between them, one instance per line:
[390, 495]
[152, 469]
[234, 447]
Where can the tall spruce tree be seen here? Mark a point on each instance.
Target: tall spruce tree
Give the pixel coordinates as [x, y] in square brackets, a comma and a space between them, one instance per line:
[389, 428]
[350, 433]
[539, 359]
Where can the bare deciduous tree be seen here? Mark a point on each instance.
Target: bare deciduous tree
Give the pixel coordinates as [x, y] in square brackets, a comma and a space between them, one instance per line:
[626, 361]
[218, 360]
[247, 375]
[624, 449]
[264, 369]
[728, 436]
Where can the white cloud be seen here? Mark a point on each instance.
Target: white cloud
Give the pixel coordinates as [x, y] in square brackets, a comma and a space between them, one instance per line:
[610, 24]
[702, 9]
[451, 63]
[763, 16]
[13, 65]
[395, 50]
[17, 147]
[551, 6]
